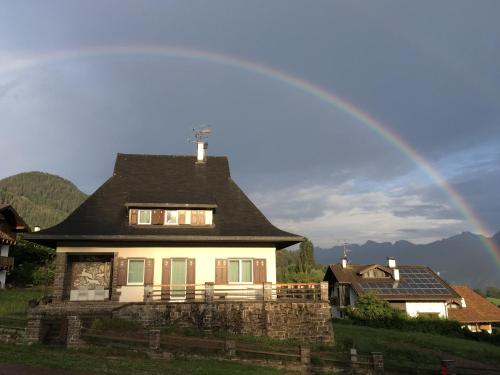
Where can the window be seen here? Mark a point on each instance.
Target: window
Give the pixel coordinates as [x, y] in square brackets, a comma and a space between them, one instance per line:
[240, 271]
[197, 217]
[144, 217]
[135, 272]
[171, 217]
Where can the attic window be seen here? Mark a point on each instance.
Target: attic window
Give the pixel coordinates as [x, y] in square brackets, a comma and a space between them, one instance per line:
[375, 273]
[171, 217]
[144, 217]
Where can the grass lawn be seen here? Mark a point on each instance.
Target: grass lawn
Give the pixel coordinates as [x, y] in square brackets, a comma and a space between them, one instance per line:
[414, 348]
[14, 302]
[113, 361]
[496, 301]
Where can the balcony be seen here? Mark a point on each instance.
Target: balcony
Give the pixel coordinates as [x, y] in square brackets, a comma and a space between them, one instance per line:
[6, 263]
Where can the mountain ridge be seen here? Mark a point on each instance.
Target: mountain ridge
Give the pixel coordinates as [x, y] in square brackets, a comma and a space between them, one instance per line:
[460, 259]
[42, 199]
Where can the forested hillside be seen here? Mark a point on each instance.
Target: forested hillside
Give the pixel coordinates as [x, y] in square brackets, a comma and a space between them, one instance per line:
[40, 198]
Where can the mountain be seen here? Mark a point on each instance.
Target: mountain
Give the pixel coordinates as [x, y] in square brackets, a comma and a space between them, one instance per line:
[40, 198]
[461, 259]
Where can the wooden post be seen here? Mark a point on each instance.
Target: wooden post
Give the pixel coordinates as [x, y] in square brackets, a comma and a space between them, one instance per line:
[154, 340]
[305, 355]
[354, 355]
[230, 348]
[73, 336]
[324, 290]
[267, 291]
[448, 367]
[378, 362]
[148, 293]
[209, 292]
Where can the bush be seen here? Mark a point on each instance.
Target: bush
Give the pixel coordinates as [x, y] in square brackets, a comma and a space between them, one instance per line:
[374, 312]
[44, 275]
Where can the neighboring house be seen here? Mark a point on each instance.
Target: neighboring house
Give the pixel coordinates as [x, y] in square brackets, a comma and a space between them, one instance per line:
[169, 222]
[10, 224]
[415, 289]
[474, 312]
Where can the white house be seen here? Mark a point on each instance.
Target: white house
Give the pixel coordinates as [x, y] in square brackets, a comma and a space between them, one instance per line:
[163, 222]
[414, 289]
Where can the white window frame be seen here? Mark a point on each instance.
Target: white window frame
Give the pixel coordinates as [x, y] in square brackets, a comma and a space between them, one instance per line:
[183, 297]
[139, 217]
[240, 270]
[166, 216]
[143, 270]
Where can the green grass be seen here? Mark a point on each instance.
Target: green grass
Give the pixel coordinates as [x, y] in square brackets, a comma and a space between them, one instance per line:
[496, 301]
[414, 348]
[14, 302]
[113, 361]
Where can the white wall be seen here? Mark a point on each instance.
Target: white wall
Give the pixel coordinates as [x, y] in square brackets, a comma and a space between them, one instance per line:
[414, 308]
[4, 250]
[205, 261]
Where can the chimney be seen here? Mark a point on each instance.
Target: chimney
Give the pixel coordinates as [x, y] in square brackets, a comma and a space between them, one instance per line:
[344, 262]
[395, 273]
[391, 262]
[201, 156]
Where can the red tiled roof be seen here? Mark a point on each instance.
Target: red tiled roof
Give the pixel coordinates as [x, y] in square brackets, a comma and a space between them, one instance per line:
[478, 309]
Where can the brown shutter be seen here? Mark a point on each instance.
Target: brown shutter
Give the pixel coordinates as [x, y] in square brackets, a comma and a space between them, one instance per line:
[194, 217]
[182, 217]
[158, 217]
[190, 278]
[220, 271]
[259, 271]
[149, 271]
[122, 271]
[133, 216]
[165, 279]
[201, 217]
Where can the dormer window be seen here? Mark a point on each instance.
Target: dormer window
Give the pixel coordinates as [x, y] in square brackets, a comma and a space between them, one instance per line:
[171, 217]
[144, 217]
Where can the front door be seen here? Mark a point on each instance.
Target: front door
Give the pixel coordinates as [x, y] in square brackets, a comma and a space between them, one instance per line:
[178, 278]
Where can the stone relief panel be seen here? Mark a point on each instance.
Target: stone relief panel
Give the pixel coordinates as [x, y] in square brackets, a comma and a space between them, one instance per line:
[90, 275]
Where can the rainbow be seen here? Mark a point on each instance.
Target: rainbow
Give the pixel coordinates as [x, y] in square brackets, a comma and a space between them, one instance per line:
[9, 64]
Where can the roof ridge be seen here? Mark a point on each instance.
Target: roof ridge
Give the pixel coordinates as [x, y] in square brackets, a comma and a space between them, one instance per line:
[120, 154]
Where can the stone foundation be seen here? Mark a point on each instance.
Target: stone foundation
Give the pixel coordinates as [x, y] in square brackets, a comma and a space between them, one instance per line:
[306, 321]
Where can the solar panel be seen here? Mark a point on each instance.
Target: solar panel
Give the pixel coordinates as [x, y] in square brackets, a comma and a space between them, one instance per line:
[413, 281]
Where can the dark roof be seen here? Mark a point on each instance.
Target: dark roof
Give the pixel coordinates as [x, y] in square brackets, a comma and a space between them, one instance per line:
[478, 309]
[161, 179]
[10, 224]
[415, 282]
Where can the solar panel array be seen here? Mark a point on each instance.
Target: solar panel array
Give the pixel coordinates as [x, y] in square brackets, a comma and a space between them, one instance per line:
[413, 281]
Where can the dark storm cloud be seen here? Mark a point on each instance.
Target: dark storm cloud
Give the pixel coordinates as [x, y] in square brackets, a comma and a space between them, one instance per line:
[428, 70]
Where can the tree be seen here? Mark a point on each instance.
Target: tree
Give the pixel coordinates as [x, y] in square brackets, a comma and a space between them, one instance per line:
[306, 256]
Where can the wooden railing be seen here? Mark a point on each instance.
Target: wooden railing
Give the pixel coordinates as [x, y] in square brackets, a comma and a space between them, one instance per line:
[210, 292]
[6, 262]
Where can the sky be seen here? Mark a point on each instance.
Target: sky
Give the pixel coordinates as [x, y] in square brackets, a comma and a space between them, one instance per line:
[82, 81]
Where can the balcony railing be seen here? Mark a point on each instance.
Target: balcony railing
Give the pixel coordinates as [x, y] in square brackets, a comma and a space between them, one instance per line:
[210, 292]
[6, 263]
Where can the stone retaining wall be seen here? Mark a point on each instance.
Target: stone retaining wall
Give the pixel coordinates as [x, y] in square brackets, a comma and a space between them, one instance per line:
[308, 321]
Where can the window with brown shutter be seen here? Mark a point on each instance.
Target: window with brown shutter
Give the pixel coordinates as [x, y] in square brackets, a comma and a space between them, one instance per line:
[133, 216]
[220, 271]
[259, 271]
[158, 217]
[197, 217]
[165, 279]
[190, 278]
[149, 270]
[122, 271]
[182, 217]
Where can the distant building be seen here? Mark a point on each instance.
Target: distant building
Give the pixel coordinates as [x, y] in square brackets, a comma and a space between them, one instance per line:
[10, 224]
[414, 289]
[474, 312]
